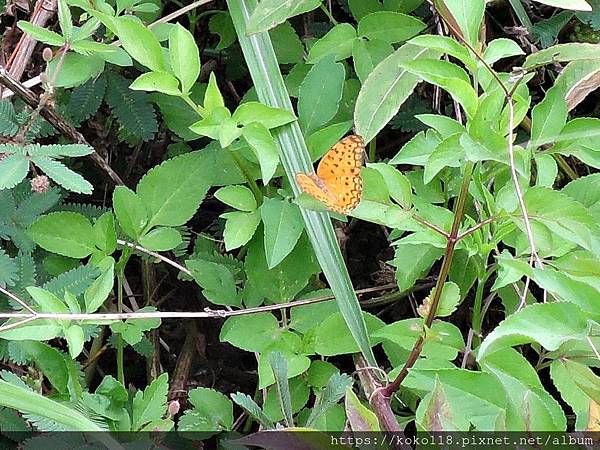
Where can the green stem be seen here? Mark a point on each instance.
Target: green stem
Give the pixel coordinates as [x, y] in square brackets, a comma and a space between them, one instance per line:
[328, 14]
[119, 339]
[373, 150]
[477, 319]
[197, 108]
[565, 167]
[251, 181]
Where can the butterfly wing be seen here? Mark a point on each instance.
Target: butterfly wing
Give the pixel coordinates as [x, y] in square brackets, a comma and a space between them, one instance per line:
[313, 186]
[339, 170]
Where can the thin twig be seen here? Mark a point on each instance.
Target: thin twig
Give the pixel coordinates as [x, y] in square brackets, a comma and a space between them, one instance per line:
[476, 227]
[206, 314]
[430, 225]
[56, 120]
[156, 255]
[17, 299]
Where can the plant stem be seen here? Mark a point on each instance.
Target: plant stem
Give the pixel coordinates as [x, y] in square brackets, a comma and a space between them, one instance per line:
[459, 209]
[477, 318]
[119, 339]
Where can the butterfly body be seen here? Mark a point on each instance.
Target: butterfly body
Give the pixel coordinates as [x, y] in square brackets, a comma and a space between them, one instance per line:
[337, 182]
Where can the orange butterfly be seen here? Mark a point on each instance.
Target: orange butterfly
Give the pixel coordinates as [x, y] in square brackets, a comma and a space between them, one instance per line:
[337, 182]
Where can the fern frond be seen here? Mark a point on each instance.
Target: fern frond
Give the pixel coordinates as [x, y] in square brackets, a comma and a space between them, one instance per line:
[76, 280]
[34, 204]
[132, 109]
[89, 211]
[86, 99]
[8, 270]
[8, 119]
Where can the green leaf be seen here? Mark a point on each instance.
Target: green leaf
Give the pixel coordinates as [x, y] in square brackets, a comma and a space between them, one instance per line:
[65, 233]
[270, 13]
[549, 324]
[571, 378]
[447, 45]
[576, 5]
[448, 300]
[320, 94]
[212, 96]
[220, 23]
[332, 336]
[130, 211]
[75, 70]
[579, 138]
[501, 48]
[247, 404]
[62, 175]
[39, 330]
[448, 76]
[75, 339]
[562, 53]
[586, 190]
[216, 281]
[140, 43]
[47, 301]
[172, 191]
[212, 412]
[334, 391]
[64, 19]
[389, 26]
[133, 330]
[105, 235]
[156, 81]
[27, 401]
[131, 108]
[253, 333]
[261, 142]
[50, 361]
[385, 89]
[161, 239]
[548, 116]
[41, 34]
[238, 197]
[468, 14]
[151, 404]
[530, 406]
[574, 291]
[360, 417]
[447, 154]
[13, 168]
[289, 278]
[338, 41]
[473, 398]
[287, 45]
[560, 214]
[185, 58]
[239, 228]
[95, 296]
[250, 112]
[443, 340]
[86, 99]
[279, 365]
[283, 226]
[366, 55]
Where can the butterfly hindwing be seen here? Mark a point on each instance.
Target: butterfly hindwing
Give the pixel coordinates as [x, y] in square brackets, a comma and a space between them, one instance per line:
[337, 182]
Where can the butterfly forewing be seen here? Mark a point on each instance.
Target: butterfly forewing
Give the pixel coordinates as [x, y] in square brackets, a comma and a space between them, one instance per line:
[337, 182]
